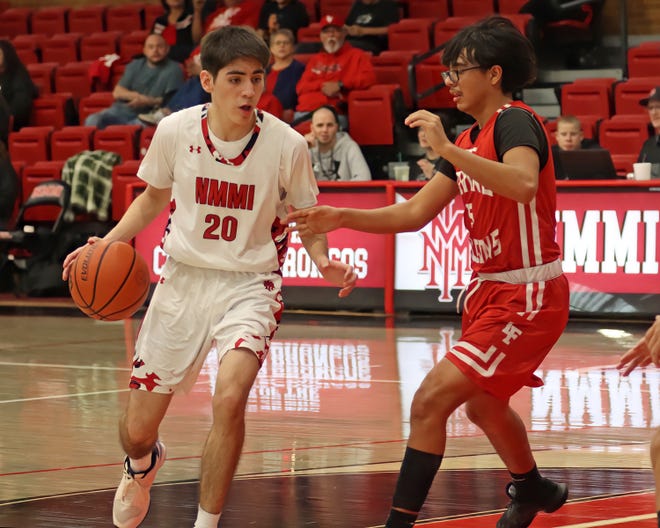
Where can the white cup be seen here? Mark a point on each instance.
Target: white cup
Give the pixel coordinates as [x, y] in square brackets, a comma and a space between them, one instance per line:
[402, 172]
[642, 171]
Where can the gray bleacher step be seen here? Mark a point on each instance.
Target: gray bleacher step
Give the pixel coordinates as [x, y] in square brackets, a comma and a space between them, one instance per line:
[566, 76]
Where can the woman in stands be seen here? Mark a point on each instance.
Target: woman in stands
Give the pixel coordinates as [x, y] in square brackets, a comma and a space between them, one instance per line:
[17, 91]
[176, 25]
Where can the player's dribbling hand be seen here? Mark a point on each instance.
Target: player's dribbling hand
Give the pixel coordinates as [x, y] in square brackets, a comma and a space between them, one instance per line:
[645, 352]
[314, 220]
[71, 257]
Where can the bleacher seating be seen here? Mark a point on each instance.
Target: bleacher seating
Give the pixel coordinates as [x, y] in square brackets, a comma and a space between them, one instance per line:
[70, 140]
[586, 97]
[94, 102]
[438, 9]
[644, 60]
[42, 75]
[478, 8]
[56, 110]
[391, 67]
[73, 77]
[49, 20]
[33, 175]
[623, 136]
[62, 48]
[627, 94]
[95, 45]
[132, 43]
[126, 17]
[410, 34]
[30, 144]
[87, 19]
[121, 139]
[443, 30]
[15, 21]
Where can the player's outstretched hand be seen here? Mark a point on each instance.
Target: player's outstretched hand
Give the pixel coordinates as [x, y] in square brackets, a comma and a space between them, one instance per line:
[645, 352]
[71, 257]
[339, 274]
[314, 220]
[432, 126]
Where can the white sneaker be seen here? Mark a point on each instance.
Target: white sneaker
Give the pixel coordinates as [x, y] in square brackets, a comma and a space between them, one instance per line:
[132, 497]
[152, 118]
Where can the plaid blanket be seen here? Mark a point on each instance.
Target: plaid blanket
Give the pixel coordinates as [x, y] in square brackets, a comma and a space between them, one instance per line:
[89, 173]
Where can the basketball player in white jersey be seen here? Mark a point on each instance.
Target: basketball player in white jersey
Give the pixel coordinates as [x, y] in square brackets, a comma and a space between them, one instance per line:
[229, 172]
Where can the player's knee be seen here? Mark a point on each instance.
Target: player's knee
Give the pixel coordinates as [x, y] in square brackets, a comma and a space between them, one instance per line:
[427, 405]
[474, 413]
[228, 405]
[135, 437]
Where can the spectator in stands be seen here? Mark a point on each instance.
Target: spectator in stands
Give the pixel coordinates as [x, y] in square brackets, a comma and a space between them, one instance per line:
[423, 168]
[176, 26]
[569, 136]
[284, 72]
[147, 82]
[650, 152]
[335, 156]
[231, 13]
[234, 13]
[282, 14]
[367, 23]
[333, 72]
[17, 91]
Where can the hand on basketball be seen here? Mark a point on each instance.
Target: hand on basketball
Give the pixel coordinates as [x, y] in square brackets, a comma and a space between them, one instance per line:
[71, 257]
[432, 126]
[645, 352]
[339, 274]
[314, 220]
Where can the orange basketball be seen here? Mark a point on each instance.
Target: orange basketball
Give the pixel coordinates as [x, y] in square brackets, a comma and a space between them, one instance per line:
[109, 280]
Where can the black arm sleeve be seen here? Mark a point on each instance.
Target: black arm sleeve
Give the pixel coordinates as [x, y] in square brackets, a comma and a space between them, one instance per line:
[516, 127]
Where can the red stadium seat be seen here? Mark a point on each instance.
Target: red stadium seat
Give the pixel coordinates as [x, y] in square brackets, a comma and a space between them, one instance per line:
[446, 29]
[42, 75]
[335, 7]
[623, 163]
[371, 116]
[644, 60]
[49, 20]
[472, 8]
[412, 34]
[132, 44]
[151, 13]
[627, 94]
[122, 174]
[73, 77]
[61, 48]
[507, 7]
[32, 176]
[32, 41]
[121, 139]
[15, 21]
[428, 75]
[30, 144]
[438, 9]
[70, 140]
[55, 110]
[311, 33]
[94, 102]
[312, 11]
[391, 67]
[623, 134]
[95, 45]
[583, 97]
[87, 19]
[126, 17]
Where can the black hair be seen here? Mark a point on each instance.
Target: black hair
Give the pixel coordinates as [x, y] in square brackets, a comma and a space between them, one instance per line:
[495, 41]
[11, 59]
[226, 44]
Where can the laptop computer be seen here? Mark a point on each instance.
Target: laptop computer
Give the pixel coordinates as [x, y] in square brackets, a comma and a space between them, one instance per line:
[586, 164]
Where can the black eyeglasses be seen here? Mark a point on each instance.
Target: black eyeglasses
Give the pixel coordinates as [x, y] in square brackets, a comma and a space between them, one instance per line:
[452, 76]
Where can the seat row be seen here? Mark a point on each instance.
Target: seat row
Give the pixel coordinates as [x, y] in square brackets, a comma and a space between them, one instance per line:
[62, 48]
[85, 19]
[607, 96]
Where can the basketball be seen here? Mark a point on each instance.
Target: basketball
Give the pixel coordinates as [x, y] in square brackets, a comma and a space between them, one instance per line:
[109, 281]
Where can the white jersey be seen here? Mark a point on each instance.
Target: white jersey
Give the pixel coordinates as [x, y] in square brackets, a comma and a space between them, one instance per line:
[225, 213]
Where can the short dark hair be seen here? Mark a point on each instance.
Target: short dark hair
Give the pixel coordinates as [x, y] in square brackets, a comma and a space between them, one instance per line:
[226, 44]
[495, 41]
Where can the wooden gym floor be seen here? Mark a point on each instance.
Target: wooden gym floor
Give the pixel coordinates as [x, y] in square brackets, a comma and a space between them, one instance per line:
[326, 427]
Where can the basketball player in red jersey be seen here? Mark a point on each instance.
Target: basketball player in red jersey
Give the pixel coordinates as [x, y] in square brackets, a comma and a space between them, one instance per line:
[229, 173]
[516, 305]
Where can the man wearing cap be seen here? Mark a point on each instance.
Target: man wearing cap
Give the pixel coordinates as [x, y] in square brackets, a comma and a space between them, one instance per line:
[333, 72]
[650, 152]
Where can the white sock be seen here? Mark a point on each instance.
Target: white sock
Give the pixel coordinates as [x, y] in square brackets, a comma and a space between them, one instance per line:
[140, 464]
[206, 519]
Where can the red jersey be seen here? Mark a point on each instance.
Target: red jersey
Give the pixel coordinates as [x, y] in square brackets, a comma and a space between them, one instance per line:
[349, 65]
[505, 234]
